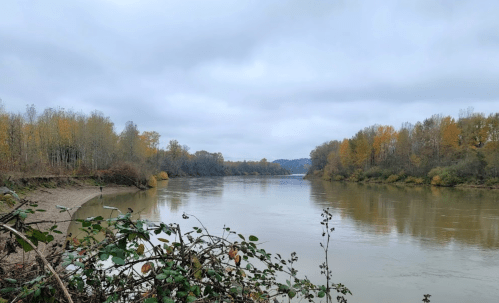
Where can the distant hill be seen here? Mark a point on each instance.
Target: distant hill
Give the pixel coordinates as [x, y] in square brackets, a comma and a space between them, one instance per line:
[296, 166]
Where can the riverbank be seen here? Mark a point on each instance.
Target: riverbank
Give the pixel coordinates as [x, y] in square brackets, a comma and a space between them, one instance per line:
[72, 195]
[396, 180]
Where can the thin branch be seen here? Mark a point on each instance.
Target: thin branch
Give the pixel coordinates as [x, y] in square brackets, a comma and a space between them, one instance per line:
[66, 293]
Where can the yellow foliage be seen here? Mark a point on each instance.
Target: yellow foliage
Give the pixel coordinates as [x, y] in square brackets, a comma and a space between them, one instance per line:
[392, 178]
[152, 182]
[345, 153]
[436, 180]
[384, 141]
[162, 176]
[450, 133]
[140, 249]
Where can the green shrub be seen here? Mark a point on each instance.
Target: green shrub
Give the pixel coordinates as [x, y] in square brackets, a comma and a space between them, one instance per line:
[338, 178]
[491, 182]
[373, 172]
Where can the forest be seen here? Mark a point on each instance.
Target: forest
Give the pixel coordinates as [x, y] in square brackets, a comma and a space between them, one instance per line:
[59, 141]
[440, 150]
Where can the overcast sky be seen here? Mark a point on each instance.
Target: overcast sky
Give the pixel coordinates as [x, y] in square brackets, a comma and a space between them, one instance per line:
[251, 79]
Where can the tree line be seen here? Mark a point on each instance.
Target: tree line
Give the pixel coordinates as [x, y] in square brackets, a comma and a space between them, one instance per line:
[59, 141]
[440, 150]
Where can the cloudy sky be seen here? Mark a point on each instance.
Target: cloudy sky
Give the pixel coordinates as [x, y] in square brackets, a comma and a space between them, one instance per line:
[248, 78]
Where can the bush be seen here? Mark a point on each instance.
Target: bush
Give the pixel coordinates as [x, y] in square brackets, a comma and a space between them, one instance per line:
[491, 182]
[414, 180]
[444, 176]
[338, 178]
[373, 172]
[436, 180]
[392, 178]
[152, 182]
[357, 176]
[435, 171]
[186, 267]
[162, 176]
[122, 173]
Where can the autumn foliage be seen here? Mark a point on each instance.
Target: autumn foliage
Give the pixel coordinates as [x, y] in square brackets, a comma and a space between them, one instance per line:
[59, 141]
[460, 151]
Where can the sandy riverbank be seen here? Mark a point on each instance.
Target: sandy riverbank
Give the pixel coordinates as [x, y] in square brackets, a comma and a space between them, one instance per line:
[70, 196]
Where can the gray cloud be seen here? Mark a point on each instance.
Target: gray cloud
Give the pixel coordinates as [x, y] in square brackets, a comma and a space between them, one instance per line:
[252, 79]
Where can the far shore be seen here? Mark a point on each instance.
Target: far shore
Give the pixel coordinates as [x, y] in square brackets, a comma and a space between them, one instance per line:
[70, 196]
[402, 183]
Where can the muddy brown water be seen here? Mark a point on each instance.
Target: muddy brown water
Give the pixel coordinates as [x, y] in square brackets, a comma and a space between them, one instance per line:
[390, 244]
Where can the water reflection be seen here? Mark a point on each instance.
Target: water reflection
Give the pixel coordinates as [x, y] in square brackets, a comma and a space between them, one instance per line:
[391, 243]
[432, 215]
[143, 204]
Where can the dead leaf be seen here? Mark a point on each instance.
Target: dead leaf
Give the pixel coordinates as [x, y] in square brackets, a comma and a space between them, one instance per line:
[140, 250]
[237, 259]
[232, 253]
[146, 268]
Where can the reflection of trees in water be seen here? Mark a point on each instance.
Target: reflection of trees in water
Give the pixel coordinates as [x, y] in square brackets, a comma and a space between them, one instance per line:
[207, 186]
[177, 191]
[441, 214]
[143, 204]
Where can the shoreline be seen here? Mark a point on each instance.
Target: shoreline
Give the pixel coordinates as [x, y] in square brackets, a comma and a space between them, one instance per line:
[401, 183]
[70, 196]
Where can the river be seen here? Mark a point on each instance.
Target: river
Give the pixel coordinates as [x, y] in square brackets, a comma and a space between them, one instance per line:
[390, 244]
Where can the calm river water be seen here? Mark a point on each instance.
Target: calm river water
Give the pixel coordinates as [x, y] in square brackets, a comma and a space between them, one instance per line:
[391, 244]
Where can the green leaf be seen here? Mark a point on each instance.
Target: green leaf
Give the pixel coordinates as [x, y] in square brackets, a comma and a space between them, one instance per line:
[181, 294]
[168, 300]
[321, 294]
[291, 294]
[41, 210]
[161, 276]
[26, 247]
[104, 257]
[241, 236]
[86, 224]
[6, 290]
[118, 261]
[38, 291]
[253, 238]
[10, 280]
[97, 227]
[79, 264]
[207, 290]
[151, 300]
[191, 299]
[179, 279]
[57, 231]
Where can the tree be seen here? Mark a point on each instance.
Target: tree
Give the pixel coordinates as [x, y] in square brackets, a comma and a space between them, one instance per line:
[450, 137]
[130, 143]
[384, 143]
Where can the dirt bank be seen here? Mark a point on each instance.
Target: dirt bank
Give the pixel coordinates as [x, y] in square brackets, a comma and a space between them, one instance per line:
[69, 196]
